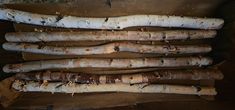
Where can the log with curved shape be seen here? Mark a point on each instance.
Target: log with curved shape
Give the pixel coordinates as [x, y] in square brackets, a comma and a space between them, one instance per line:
[108, 49]
[110, 22]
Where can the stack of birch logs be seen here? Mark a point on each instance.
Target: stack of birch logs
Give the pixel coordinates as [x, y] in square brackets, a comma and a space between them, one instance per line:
[139, 75]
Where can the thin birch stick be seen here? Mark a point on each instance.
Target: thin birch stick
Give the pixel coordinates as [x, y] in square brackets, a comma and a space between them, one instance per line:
[108, 63]
[110, 22]
[149, 77]
[59, 87]
[109, 36]
[108, 49]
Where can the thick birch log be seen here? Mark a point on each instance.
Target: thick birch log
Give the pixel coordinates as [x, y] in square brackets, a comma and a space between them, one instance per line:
[149, 77]
[109, 36]
[60, 87]
[108, 49]
[107, 63]
[109, 22]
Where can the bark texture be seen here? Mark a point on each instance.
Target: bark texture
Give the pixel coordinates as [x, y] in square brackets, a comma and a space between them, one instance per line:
[149, 77]
[108, 49]
[109, 36]
[110, 22]
[60, 87]
[108, 63]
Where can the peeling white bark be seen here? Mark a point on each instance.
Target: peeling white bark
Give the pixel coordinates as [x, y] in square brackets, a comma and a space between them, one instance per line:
[107, 63]
[110, 22]
[108, 48]
[109, 36]
[59, 87]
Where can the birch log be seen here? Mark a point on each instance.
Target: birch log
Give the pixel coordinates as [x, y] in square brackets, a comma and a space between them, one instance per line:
[149, 77]
[108, 63]
[108, 49]
[109, 36]
[59, 87]
[109, 22]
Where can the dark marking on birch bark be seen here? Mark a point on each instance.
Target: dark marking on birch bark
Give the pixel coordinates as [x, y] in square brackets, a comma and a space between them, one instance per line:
[40, 46]
[162, 61]
[188, 63]
[145, 86]
[59, 17]
[106, 19]
[59, 85]
[198, 88]
[116, 48]
[43, 22]
[163, 36]
[110, 61]
[11, 16]
[110, 79]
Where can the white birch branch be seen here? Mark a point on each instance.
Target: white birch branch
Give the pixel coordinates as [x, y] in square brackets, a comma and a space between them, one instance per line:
[109, 36]
[59, 87]
[147, 77]
[108, 63]
[109, 22]
[108, 49]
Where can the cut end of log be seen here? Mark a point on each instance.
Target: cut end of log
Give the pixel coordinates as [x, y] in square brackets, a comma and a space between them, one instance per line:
[221, 24]
[6, 69]
[9, 67]
[8, 46]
